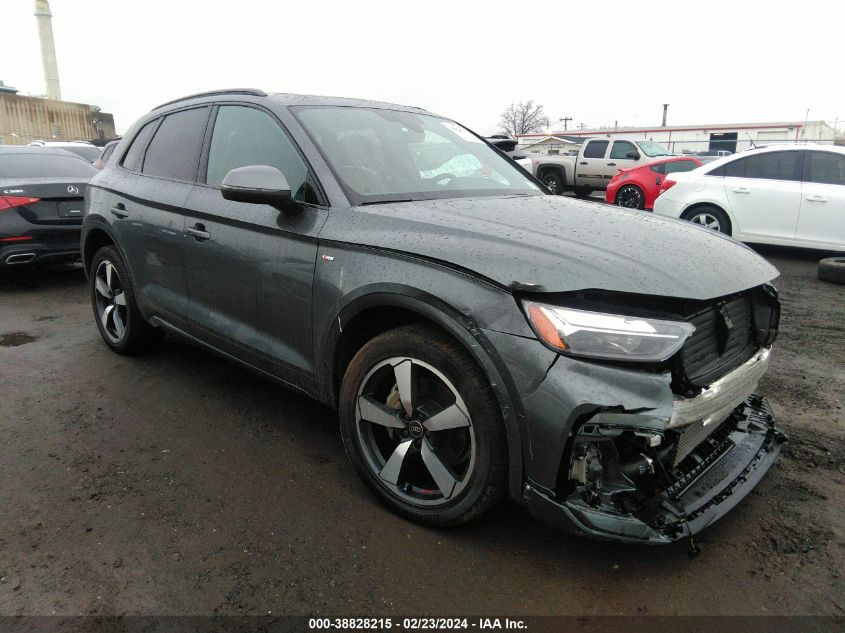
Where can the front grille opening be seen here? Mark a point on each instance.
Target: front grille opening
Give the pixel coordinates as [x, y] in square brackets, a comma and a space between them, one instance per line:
[726, 335]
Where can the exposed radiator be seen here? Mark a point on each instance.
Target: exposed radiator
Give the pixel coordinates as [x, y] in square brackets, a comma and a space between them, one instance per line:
[691, 436]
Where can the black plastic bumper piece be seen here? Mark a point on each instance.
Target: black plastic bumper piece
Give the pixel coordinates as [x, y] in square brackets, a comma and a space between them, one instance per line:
[696, 499]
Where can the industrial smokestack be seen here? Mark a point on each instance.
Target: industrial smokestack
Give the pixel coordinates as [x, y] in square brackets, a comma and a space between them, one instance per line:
[665, 108]
[48, 49]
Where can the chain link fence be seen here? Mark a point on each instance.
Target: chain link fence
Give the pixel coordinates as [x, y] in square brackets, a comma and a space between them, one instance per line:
[711, 148]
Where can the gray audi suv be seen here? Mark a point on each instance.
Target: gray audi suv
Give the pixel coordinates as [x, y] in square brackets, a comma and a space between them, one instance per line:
[477, 336]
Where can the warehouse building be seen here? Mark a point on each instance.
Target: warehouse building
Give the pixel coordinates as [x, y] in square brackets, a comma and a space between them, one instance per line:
[694, 139]
[25, 119]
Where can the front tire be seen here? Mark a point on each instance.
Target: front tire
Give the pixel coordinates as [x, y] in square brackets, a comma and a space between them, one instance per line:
[709, 217]
[116, 312]
[422, 427]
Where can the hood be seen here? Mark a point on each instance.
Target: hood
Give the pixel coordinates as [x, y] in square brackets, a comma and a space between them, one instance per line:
[558, 244]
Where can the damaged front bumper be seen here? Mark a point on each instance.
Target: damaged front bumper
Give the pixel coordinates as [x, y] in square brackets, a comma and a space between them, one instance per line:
[672, 503]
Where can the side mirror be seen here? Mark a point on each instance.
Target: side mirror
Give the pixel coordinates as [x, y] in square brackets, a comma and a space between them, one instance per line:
[633, 155]
[257, 184]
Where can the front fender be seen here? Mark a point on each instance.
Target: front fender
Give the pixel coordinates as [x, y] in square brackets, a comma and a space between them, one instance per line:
[358, 279]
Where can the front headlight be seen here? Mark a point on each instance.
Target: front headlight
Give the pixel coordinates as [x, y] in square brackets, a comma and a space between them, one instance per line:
[608, 336]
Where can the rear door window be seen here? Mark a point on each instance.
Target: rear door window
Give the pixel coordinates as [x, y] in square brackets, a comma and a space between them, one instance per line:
[824, 168]
[175, 149]
[596, 149]
[775, 166]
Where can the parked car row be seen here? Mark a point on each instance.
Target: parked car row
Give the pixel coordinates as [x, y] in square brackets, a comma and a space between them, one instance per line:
[597, 162]
[789, 195]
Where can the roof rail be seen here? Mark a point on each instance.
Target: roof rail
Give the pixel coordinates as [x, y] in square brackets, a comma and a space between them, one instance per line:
[234, 91]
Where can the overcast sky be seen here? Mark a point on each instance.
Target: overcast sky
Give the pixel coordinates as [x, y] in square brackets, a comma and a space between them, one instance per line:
[600, 62]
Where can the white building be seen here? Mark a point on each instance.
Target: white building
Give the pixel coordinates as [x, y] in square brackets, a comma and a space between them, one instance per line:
[732, 137]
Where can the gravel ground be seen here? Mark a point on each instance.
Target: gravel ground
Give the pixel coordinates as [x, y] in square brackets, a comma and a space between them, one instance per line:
[176, 483]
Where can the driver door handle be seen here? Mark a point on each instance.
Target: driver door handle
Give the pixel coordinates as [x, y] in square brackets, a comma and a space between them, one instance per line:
[742, 190]
[583, 162]
[198, 232]
[816, 198]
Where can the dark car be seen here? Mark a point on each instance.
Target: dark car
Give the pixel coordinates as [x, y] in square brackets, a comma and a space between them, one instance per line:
[84, 149]
[638, 187]
[41, 204]
[478, 337]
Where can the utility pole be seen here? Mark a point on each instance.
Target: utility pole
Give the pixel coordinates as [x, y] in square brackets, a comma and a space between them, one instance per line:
[565, 119]
[665, 108]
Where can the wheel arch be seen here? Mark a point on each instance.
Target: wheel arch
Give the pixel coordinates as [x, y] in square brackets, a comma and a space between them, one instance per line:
[373, 313]
[636, 185]
[94, 239]
[544, 168]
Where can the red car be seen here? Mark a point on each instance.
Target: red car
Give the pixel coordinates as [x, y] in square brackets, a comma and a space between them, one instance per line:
[638, 187]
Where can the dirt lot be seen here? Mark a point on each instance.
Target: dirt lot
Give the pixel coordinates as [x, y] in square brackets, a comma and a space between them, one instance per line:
[176, 483]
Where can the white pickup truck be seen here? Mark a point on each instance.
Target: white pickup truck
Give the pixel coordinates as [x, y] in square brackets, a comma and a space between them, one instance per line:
[597, 162]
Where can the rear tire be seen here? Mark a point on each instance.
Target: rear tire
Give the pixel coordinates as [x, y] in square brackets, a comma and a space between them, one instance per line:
[116, 312]
[419, 368]
[630, 197]
[553, 182]
[710, 217]
[832, 269]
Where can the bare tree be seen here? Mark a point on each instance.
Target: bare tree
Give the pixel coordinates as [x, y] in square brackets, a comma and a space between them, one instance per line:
[523, 118]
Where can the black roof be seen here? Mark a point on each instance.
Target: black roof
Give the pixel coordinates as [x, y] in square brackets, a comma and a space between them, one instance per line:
[25, 149]
[293, 99]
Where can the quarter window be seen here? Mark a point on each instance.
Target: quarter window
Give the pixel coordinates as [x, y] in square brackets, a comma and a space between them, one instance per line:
[175, 149]
[735, 169]
[824, 168]
[135, 155]
[247, 136]
[621, 148]
[596, 149]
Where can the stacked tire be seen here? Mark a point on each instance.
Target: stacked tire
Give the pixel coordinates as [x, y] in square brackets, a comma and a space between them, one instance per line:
[832, 269]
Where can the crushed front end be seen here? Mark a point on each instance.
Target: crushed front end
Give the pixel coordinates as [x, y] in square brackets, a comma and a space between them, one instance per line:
[655, 454]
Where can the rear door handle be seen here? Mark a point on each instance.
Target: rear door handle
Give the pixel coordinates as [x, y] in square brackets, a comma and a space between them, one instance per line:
[816, 198]
[742, 190]
[611, 164]
[119, 210]
[198, 232]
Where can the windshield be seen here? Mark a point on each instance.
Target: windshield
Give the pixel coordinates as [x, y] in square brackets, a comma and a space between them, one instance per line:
[37, 165]
[388, 155]
[650, 148]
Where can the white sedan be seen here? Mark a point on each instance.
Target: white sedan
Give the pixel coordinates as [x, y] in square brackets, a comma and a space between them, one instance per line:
[790, 195]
